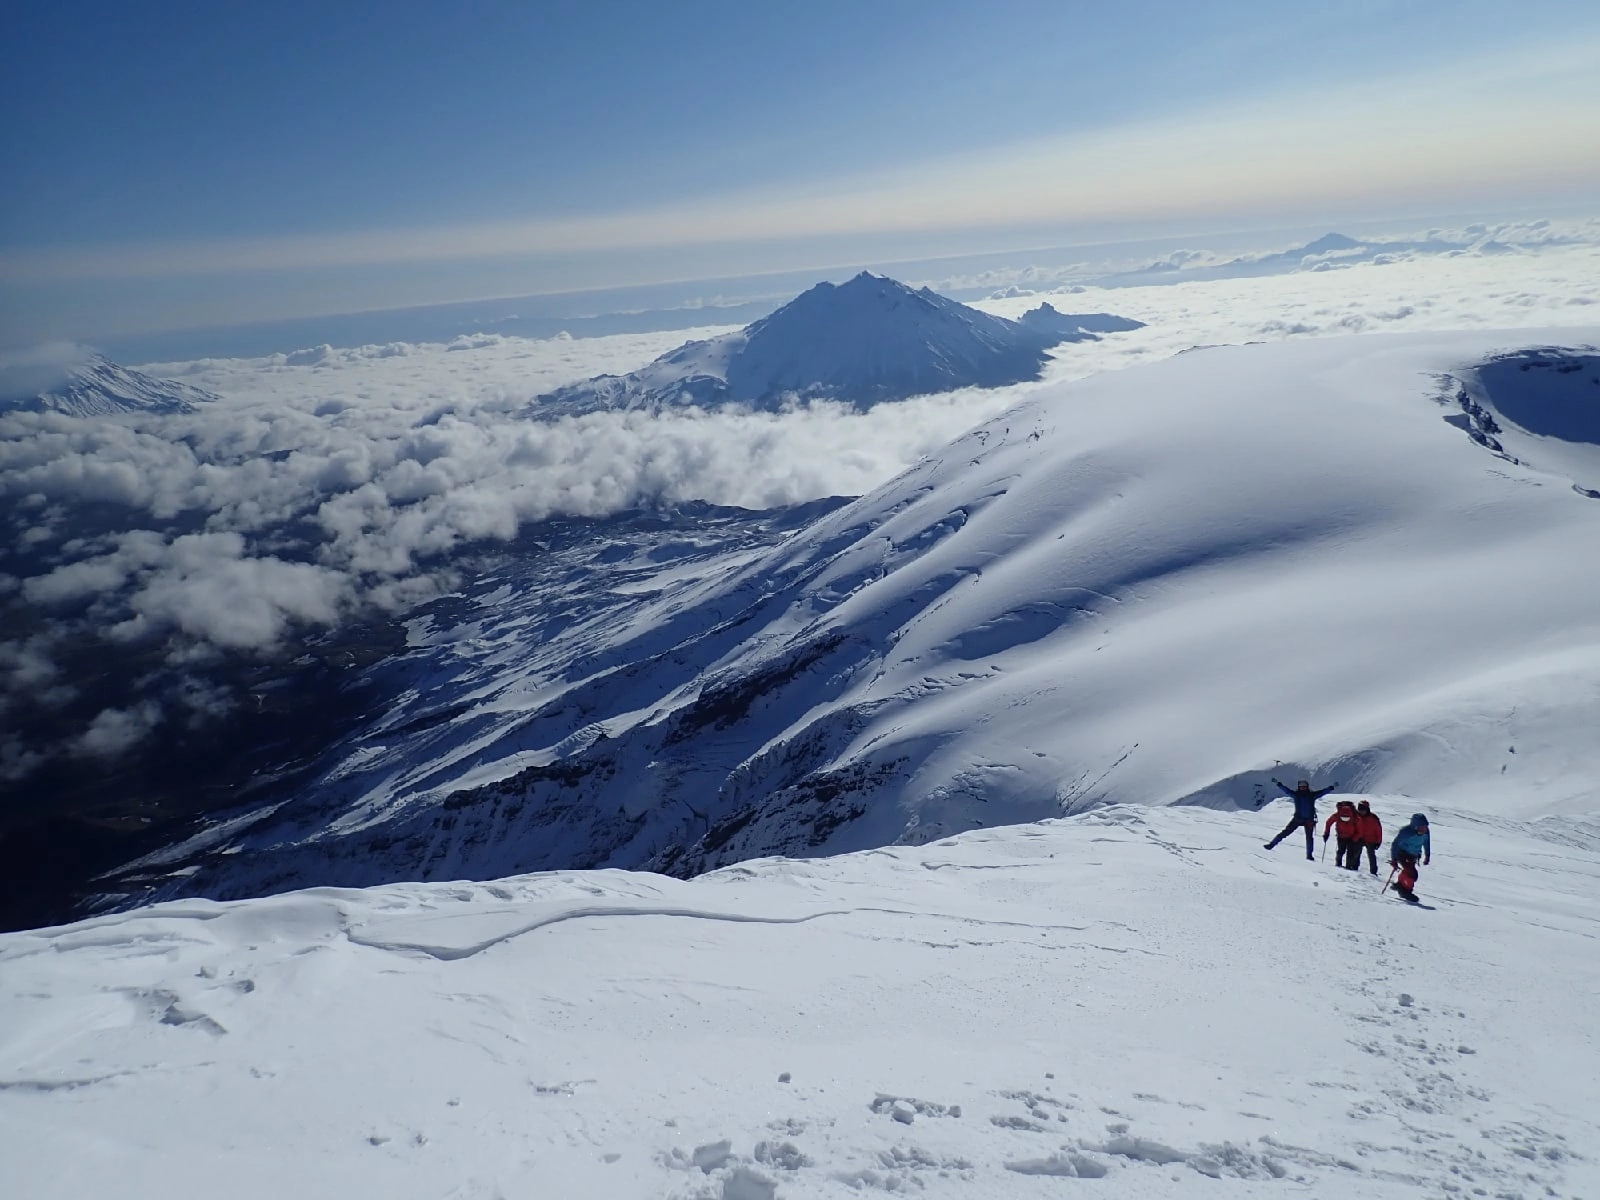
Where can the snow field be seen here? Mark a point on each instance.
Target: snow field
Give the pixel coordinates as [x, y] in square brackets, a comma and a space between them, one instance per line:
[1142, 997]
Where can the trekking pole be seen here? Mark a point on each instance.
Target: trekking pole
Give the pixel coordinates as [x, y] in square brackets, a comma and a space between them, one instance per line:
[1324, 849]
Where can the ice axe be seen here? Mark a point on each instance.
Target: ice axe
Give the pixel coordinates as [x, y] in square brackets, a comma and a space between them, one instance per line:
[1393, 867]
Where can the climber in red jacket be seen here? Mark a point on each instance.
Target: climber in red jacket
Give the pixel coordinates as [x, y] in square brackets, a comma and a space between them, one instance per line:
[1345, 818]
[1369, 834]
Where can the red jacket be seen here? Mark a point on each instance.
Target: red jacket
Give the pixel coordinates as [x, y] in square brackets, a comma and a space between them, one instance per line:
[1345, 817]
[1369, 830]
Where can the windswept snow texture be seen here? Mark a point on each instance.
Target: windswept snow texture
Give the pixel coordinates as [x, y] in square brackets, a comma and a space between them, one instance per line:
[90, 385]
[866, 341]
[1162, 585]
[1134, 1002]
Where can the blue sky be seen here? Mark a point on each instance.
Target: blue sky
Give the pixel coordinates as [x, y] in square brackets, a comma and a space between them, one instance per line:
[174, 164]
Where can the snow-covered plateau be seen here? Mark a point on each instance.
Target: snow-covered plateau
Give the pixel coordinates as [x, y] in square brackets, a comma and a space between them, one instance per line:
[1134, 1001]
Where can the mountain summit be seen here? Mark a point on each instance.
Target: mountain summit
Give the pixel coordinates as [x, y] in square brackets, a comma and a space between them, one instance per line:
[84, 384]
[866, 341]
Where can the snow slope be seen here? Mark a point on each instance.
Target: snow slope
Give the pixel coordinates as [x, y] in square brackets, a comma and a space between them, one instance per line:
[1134, 1002]
[94, 386]
[866, 341]
[1162, 585]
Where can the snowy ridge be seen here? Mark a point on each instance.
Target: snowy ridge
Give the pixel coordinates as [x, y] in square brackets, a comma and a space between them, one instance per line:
[1150, 587]
[98, 387]
[1137, 996]
[866, 341]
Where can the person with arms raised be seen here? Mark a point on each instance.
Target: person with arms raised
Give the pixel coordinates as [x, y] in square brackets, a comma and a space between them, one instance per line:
[1305, 813]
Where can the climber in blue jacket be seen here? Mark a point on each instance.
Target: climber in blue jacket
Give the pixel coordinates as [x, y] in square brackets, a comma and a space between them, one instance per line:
[1409, 844]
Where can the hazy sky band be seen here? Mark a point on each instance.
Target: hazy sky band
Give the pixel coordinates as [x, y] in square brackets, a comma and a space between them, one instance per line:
[865, 129]
[1428, 137]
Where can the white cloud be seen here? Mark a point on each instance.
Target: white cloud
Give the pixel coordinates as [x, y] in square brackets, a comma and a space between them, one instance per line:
[116, 730]
[78, 581]
[208, 587]
[1471, 290]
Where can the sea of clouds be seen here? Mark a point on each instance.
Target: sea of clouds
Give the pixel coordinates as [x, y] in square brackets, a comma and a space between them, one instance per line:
[329, 483]
[1117, 268]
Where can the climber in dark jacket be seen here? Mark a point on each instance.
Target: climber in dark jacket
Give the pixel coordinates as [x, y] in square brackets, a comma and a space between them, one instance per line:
[1411, 843]
[1305, 813]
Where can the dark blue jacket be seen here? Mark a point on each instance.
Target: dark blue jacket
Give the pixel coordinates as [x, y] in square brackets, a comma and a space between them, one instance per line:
[1412, 840]
[1305, 803]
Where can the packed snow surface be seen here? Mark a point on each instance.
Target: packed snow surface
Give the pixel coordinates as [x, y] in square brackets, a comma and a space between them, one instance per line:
[1136, 1002]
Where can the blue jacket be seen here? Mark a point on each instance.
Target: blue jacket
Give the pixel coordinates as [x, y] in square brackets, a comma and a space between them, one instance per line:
[1413, 841]
[1305, 803]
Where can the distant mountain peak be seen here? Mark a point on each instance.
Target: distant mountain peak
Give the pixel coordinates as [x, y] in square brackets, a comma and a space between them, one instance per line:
[1075, 327]
[85, 384]
[1330, 242]
[866, 341]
